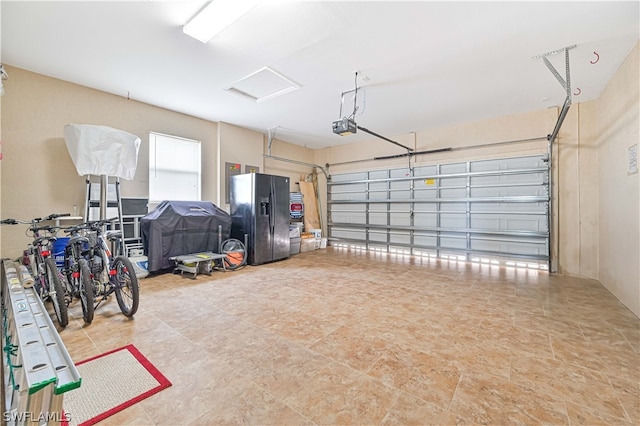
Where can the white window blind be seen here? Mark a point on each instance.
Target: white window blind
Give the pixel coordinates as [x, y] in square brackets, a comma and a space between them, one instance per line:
[174, 168]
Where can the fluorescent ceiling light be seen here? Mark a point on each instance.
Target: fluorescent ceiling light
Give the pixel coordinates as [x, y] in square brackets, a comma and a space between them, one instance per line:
[217, 16]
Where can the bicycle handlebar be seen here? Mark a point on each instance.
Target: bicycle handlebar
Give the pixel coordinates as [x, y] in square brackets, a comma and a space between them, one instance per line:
[10, 221]
[56, 215]
[94, 225]
[50, 228]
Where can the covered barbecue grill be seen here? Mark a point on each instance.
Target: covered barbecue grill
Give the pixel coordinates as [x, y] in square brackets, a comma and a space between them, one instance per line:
[176, 228]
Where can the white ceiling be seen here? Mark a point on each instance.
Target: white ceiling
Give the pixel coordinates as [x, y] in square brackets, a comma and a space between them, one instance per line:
[421, 64]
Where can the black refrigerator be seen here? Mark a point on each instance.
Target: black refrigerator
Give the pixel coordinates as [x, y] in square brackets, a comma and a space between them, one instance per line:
[259, 205]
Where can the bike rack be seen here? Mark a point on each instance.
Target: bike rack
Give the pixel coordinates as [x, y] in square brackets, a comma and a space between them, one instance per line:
[37, 369]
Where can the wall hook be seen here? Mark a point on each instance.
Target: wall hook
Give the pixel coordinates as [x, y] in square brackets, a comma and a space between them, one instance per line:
[578, 91]
[597, 58]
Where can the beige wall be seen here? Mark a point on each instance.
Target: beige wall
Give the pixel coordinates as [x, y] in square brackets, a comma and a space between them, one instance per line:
[618, 128]
[291, 170]
[246, 147]
[237, 146]
[38, 176]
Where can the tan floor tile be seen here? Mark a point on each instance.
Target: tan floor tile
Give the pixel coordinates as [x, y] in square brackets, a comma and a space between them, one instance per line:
[471, 353]
[606, 335]
[632, 335]
[409, 410]
[352, 346]
[249, 405]
[134, 415]
[338, 395]
[599, 357]
[629, 393]
[197, 387]
[425, 376]
[543, 324]
[587, 416]
[487, 399]
[567, 381]
[281, 369]
[516, 338]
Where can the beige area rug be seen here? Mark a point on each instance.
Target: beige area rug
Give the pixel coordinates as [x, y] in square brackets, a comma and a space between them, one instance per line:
[111, 382]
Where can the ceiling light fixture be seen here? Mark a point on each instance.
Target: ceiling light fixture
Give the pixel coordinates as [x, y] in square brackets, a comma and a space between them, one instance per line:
[217, 16]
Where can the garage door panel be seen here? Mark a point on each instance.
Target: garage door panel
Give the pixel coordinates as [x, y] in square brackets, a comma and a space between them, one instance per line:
[425, 193]
[425, 220]
[452, 182]
[348, 234]
[378, 218]
[400, 195]
[349, 217]
[397, 220]
[378, 174]
[523, 247]
[453, 242]
[349, 177]
[453, 168]
[507, 224]
[399, 173]
[453, 221]
[400, 238]
[425, 240]
[399, 186]
[425, 171]
[514, 191]
[503, 208]
[453, 193]
[492, 204]
[378, 236]
[400, 207]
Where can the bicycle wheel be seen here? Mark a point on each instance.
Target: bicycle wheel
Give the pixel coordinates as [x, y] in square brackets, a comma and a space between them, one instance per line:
[126, 285]
[69, 266]
[86, 291]
[54, 285]
[68, 273]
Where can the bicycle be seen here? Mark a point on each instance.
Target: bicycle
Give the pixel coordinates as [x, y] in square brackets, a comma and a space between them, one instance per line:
[111, 271]
[48, 279]
[78, 273]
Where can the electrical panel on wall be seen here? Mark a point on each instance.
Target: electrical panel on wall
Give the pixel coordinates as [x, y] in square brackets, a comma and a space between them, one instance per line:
[230, 169]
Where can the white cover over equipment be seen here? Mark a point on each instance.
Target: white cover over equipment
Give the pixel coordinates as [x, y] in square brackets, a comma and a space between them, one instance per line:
[102, 150]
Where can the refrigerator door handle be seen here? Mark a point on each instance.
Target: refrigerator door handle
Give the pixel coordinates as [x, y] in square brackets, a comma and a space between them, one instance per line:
[272, 219]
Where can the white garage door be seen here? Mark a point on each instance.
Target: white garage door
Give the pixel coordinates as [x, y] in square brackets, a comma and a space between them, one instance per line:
[486, 211]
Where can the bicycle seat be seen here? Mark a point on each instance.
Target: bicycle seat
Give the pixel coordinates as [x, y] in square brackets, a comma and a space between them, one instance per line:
[113, 235]
[43, 240]
[78, 239]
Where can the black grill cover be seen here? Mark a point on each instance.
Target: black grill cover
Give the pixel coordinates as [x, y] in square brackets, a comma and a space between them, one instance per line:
[175, 228]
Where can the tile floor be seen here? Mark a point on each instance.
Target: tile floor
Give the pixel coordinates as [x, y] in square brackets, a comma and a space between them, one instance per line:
[344, 337]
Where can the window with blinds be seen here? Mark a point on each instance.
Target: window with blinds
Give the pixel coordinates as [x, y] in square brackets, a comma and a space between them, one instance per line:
[174, 168]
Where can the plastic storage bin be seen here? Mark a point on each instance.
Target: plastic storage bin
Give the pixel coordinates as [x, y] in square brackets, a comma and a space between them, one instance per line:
[295, 245]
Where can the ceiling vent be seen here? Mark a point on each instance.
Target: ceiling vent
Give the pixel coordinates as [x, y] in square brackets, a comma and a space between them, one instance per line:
[263, 85]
